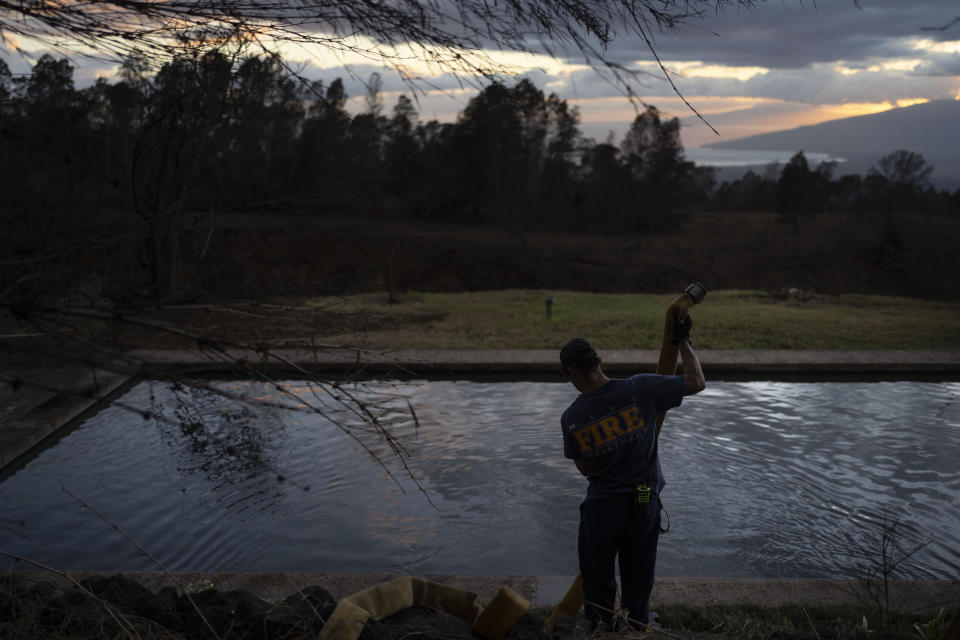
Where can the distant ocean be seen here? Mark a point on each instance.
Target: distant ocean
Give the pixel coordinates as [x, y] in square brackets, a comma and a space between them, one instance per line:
[706, 156]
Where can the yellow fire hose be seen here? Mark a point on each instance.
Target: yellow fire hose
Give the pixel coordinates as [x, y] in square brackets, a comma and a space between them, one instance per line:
[666, 365]
[492, 622]
[669, 352]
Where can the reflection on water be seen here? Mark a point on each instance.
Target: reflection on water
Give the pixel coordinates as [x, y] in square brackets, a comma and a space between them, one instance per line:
[709, 156]
[764, 479]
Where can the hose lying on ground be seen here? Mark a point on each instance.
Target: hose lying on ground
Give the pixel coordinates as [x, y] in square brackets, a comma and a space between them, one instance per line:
[491, 622]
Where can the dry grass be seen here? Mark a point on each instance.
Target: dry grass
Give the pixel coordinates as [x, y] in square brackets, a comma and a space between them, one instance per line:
[733, 319]
[29, 613]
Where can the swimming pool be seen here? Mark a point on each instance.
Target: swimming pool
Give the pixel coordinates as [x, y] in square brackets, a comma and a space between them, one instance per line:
[764, 479]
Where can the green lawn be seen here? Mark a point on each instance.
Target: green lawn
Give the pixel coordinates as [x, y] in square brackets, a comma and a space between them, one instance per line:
[729, 319]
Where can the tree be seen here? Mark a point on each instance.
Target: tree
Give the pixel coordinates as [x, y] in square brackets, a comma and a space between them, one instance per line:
[45, 124]
[366, 151]
[906, 170]
[51, 81]
[654, 156]
[898, 180]
[608, 198]
[845, 193]
[750, 192]
[895, 183]
[266, 108]
[557, 189]
[324, 137]
[401, 150]
[6, 83]
[366, 144]
[651, 140]
[505, 130]
[794, 189]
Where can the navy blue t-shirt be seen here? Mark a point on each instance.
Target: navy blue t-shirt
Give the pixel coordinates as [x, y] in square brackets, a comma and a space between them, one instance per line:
[614, 431]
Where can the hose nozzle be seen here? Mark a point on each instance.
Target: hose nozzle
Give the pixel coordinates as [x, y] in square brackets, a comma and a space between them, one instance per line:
[697, 291]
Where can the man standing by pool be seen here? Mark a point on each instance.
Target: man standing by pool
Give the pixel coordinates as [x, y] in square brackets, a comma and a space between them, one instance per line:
[610, 432]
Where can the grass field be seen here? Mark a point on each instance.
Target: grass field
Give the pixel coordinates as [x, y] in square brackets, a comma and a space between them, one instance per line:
[732, 319]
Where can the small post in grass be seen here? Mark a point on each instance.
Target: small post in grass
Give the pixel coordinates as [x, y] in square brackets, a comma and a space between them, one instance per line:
[549, 308]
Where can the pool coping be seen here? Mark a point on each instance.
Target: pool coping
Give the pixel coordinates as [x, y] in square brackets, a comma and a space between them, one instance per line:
[891, 361]
[544, 591]
[31, 429]
[31, 426]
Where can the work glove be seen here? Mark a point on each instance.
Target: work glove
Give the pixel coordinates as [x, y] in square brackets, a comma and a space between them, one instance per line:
[681, 329]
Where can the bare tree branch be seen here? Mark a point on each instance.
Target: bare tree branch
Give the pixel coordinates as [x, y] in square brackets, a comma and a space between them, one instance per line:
[337, 397]
[128, 630]
[944, 27]
[451, 37]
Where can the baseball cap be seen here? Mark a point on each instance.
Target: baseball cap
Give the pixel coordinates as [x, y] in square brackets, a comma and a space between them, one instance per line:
[578, 353]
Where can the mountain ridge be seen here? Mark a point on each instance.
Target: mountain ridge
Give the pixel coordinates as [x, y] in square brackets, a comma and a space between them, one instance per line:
[863, 140]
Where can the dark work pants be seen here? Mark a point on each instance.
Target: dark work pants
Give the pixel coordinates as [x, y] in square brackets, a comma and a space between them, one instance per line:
[610, 528]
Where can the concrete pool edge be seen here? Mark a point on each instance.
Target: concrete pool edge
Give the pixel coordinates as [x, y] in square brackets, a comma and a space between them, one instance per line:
[26, 428]
[544, 361]
[30, 431]
[907, 595]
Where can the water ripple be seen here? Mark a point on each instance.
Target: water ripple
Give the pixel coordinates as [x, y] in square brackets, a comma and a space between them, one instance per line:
[765, 479]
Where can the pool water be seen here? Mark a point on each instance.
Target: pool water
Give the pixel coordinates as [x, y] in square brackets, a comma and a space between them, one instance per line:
[764, 479]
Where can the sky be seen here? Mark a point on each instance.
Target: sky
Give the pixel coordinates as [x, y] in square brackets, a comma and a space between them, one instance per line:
[782, 64]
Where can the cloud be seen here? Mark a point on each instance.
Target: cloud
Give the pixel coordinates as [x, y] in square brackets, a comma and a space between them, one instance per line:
[790, 35]
[933, 46]
[940, 65]
[9, 41]
[822, 84]
[775, 36]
